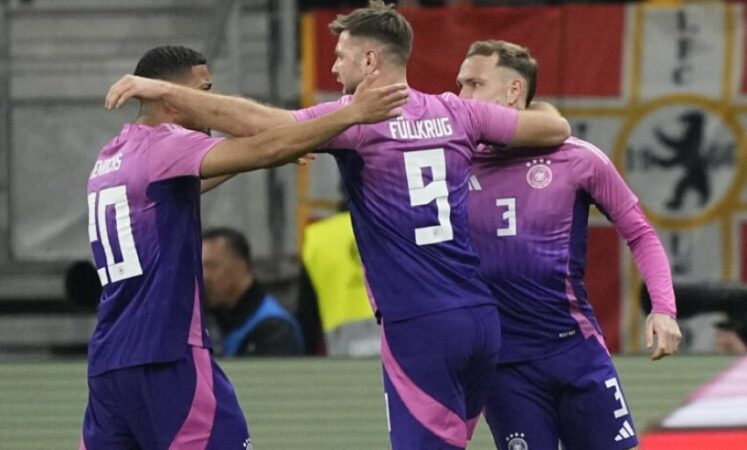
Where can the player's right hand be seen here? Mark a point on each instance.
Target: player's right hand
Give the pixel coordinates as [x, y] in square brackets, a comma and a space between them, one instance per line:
[370, 105]
[133, 86]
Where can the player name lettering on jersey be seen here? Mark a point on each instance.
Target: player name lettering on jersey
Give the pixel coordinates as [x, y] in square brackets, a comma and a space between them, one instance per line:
[105, 166]
[402, 128]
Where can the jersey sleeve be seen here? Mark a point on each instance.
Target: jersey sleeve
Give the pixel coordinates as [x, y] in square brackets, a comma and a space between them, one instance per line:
[492, 124]
[650, 258]
[597, 175]
[347, 140]
[177, 152]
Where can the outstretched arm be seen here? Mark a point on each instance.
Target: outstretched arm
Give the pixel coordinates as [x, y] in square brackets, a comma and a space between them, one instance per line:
[540, 128]
[288, 142]
[505, 126]
[231, 115]
[544, 107]
[212, 183]
[209, 184]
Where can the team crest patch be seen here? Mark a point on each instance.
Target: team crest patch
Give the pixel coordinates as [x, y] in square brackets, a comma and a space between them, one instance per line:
[516, 442]
[539, 174]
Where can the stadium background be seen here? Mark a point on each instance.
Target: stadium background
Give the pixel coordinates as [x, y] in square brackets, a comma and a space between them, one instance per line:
[619, 71]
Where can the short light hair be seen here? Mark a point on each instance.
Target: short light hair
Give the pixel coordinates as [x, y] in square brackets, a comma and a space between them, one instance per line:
[380, 22]
[512, 56]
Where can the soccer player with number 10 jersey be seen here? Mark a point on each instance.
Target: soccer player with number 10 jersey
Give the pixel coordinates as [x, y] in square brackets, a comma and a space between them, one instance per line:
[152, 381]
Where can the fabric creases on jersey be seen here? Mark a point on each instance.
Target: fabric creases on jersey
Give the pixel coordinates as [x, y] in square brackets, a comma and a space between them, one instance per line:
[529, 221]
[407, 181]
[144, 228]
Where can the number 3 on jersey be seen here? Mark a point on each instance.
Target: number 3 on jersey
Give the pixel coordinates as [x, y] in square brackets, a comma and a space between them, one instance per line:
[130, 265]
[509, 215]
[422, 194]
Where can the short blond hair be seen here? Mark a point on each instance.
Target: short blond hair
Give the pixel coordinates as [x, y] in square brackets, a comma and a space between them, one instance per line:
[380, 22]
[512, 56]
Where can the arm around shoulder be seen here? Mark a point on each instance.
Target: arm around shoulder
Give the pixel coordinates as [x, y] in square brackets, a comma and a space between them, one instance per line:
[232, 115]
[236, 116]
[288, 142]
[540, 129]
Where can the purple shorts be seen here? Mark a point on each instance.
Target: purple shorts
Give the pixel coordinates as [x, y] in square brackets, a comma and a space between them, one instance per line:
[187, 404]
[437, 370]
[574, 397]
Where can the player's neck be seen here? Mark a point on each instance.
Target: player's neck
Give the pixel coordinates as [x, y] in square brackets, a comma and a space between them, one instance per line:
[155, 118]
[391, 76]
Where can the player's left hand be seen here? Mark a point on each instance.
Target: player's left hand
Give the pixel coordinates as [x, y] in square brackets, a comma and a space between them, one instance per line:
[133, 86]
[668, 335]
[371, 104]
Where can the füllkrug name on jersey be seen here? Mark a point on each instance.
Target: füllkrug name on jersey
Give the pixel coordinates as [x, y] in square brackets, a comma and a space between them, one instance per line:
[402, 128]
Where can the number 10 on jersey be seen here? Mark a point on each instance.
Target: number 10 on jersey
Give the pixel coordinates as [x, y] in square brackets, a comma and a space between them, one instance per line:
[97, 231]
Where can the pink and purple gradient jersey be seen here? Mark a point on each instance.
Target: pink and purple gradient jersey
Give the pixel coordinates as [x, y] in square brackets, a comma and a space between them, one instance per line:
[144, 228]
[407, 180]
[528, 215]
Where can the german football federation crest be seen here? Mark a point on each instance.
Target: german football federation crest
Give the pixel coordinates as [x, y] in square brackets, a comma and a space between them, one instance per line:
[516, 442]
[539, 175]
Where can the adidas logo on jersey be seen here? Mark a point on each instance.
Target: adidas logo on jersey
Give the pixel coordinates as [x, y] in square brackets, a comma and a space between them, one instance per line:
[625, 432]
[474, 185]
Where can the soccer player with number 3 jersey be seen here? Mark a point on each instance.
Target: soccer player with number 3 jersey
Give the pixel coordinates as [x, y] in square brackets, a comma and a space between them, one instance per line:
[528, 215]
[408, 185]
[152, 381]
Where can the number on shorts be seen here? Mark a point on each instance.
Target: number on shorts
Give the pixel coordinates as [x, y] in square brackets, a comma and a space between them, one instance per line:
[612, 383]
[130, 265]
[436, 190]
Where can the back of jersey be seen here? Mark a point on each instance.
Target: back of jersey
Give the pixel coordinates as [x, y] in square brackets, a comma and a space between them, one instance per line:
[144, 228]
[407, 180]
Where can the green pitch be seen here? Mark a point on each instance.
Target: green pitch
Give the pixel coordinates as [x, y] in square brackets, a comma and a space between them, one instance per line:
[301, 404]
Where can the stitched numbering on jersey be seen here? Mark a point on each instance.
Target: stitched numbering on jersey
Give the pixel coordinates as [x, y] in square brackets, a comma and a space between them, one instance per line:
[435, 191]
[509, 215]
[98, 202]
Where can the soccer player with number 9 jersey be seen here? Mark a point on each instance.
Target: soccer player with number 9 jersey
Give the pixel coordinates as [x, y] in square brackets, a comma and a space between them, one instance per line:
[407, 182]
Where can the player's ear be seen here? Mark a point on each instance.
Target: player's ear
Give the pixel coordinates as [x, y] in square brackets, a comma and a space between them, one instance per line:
[370, 61]
[515, 90]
